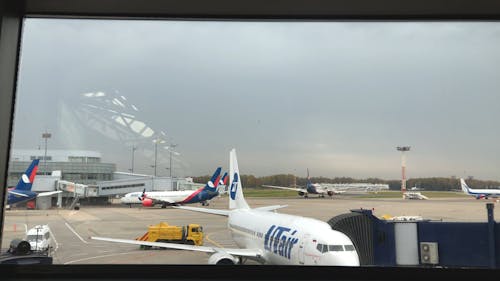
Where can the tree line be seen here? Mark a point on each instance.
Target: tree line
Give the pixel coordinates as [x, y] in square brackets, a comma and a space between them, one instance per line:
[433, 184]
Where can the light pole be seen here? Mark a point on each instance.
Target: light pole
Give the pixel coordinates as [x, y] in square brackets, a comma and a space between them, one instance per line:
[403, 149]
[171, 148]
[156, 141]
[134, 148]
[45, 136]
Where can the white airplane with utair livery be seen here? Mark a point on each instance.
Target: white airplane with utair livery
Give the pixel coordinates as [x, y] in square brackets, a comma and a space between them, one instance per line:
[479, 193]
[268, 237]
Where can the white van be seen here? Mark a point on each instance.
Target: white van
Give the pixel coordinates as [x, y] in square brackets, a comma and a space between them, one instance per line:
[39, 238]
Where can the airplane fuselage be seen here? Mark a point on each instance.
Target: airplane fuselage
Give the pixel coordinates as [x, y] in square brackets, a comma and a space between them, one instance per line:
[175, 197]
[288, 240]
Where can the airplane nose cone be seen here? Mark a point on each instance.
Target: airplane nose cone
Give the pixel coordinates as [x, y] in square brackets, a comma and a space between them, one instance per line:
[344, 259]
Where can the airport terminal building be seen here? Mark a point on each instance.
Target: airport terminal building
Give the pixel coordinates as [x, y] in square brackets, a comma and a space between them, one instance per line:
[84, 178]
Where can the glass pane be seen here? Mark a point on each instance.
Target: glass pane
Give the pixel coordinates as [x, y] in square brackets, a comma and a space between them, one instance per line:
[375, 113]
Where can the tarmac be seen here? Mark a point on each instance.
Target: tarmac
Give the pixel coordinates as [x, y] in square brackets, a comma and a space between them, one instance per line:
[71, 229]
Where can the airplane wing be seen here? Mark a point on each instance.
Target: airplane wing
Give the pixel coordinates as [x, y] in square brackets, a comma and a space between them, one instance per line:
[253, 253]
[270, 208]
[18, 194]
[287, 188]
[205, 210]
[49, 193]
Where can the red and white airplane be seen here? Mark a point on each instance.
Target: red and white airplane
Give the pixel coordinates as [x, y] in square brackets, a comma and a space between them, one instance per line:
[179, 197]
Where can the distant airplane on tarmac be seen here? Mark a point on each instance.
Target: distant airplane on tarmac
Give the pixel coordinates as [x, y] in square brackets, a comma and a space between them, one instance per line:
[22, 191]
[177, 197]
[479, 193]
[268, 237]
[311, 188]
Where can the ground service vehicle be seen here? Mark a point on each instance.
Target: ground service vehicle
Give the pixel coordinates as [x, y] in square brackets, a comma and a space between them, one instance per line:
[191, 234]
[39, 238]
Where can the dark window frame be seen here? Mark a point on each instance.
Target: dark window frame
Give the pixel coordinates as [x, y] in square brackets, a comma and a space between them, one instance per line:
[13, 12]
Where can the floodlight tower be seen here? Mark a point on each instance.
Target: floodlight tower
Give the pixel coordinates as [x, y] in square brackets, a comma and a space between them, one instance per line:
[403, 149]
[46, 136]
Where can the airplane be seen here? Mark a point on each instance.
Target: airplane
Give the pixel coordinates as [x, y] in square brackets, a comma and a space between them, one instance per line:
[311, 188]
[178, 197]
[266, 236]
[22, 191]
[479, 193]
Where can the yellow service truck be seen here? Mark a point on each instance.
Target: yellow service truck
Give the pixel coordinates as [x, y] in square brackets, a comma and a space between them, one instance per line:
[191, 234]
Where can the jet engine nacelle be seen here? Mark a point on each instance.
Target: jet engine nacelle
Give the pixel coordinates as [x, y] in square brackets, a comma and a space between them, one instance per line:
[146, 202]
[330, 193]
[301, 193]
[221, 258]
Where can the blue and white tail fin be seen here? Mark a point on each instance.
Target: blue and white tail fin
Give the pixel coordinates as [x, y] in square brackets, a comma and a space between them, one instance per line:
[26, 181]
[465, 187]
[214, 181]
[236, 199]
[308, 178]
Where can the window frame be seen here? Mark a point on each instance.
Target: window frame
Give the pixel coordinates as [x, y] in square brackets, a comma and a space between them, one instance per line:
[13, 12]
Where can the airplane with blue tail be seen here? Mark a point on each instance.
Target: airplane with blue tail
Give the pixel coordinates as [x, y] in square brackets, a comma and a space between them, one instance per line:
[479, 193]
[177, 197]
[22, 191]
[266, 236]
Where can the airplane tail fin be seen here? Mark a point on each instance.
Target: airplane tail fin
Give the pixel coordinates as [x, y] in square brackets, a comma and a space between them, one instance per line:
[308, 178]
[223, 180]
[236, 199]
[223, 183]
[26, 180]
[465, 187]
[143, 195]
[214, 181]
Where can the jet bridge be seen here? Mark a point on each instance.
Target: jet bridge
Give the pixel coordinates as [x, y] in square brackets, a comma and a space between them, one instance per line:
[413, 241]
[73, 192]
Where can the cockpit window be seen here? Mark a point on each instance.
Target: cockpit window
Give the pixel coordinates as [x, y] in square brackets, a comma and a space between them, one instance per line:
[335, 248]
[349, 247]
[322, 248]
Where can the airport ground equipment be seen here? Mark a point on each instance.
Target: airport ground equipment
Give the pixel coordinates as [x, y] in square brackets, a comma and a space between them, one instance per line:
[191, 234]
[416, 241]
[39, 238]
[20, 252]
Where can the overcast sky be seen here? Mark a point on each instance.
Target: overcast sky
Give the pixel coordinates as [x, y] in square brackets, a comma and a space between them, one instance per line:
[334, 97]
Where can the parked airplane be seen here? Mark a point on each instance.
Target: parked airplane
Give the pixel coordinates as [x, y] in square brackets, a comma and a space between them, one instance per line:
[22, 191]
[179, 197]
[268, 237]
[479, 193]
[311, 188]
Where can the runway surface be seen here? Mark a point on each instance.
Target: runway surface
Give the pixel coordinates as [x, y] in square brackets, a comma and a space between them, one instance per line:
[72, 229]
